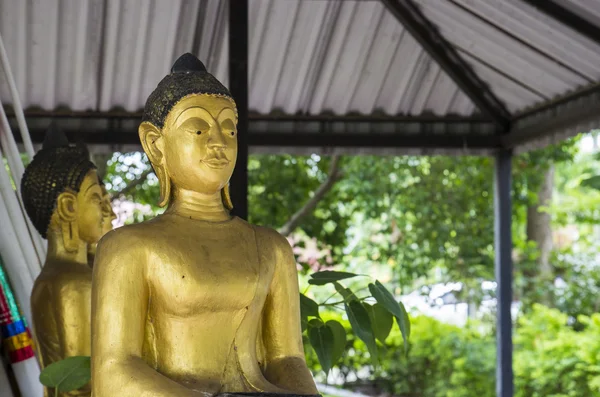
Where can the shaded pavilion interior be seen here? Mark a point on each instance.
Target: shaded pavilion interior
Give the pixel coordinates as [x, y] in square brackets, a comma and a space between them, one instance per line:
[382, 77]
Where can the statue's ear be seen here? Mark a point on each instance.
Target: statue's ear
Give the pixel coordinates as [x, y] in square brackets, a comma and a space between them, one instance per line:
[151, 142]
[66, 207]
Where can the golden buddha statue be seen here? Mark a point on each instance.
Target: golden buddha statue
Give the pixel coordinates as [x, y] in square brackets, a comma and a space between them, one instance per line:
[108, 215]
[195, 302]
[62, 197]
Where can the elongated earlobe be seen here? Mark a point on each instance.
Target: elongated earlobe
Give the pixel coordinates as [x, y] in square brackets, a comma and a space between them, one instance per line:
[151, 139]
[66, 209]
[165, 185]
[225, 196]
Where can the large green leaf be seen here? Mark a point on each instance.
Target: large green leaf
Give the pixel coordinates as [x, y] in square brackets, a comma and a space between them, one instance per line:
[361, 324]
[339, 340]
[322, 340]
[329, 276]
[66, 375]
[385, 297]
[346, 293]
[381, 320]
[308, 307]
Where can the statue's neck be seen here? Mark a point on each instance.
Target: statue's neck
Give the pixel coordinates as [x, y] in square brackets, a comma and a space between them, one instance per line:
[58, 252]
[198, 206]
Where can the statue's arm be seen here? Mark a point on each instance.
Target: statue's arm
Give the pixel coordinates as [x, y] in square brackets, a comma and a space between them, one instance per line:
[74, 324]
[282, 334]
[71, 329]
[119, 305]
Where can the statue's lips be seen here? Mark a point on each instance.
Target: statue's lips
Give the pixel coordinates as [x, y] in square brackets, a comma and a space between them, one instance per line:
[216, 163]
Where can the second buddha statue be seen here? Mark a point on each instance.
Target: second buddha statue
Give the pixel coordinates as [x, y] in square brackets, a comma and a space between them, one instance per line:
[195, 302]
[62, 197]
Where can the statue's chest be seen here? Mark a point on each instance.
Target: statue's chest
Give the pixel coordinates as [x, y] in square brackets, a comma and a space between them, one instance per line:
[208, 273]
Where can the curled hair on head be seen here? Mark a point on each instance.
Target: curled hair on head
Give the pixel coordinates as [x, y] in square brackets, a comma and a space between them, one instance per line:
[188, 77]
[56, 168]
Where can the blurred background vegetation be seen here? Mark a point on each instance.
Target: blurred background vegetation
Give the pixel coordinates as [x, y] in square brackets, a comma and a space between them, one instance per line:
[423, 226]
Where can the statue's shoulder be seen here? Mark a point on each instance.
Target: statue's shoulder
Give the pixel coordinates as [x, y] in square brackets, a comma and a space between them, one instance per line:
[126, 237]
[128, 234]
[271, 239]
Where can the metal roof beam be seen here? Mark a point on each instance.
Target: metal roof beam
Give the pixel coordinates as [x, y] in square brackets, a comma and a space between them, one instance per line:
[567, 18]
[428, 36]
[555, 121]
[292, 135]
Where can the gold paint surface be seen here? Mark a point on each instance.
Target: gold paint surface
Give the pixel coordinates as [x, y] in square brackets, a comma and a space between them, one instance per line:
[61, 296]
[108, 215]
[195, 302]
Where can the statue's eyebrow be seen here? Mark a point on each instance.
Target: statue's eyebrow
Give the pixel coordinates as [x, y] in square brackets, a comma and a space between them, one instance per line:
[89, 187]
[224, 109]
[175, 122]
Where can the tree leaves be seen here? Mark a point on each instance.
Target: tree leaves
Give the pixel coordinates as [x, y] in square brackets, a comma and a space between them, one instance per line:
[308, 307]
[346, 293]
[361, 325]
[67, 375]
[339, 340]
[386, 299]
[328, 340]
[329, 276]
[322, 340]
[381, 320]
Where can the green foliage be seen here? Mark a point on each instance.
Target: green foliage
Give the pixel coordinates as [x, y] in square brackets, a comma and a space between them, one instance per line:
[551, 359]
[381, 320]
[67, 375]
[370, 323]
[385, 298]
[322, 340]
[579, 293]
[328, 276]
[362, 327]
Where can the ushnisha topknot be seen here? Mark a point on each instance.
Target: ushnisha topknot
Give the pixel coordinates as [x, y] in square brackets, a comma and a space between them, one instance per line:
[59, 166]
[188, 76]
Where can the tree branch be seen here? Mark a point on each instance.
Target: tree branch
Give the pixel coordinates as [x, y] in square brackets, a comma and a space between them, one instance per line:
[334, 175]
[131, 185]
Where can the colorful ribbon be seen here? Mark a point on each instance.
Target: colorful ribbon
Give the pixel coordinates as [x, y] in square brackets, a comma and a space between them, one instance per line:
[13, 327]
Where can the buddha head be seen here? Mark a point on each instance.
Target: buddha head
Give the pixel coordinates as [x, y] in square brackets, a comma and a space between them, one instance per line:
[61, 193]
[189, 132]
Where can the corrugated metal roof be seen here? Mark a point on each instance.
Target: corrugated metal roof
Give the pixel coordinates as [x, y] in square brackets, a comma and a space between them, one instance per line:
[311, 57]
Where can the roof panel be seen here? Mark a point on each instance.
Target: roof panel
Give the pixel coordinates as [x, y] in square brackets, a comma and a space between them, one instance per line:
[511, 92]
[378, 61]
[356, 45]
[587, 9]
[484, 41]
[304, 56]
[276, 39]
[533, 29]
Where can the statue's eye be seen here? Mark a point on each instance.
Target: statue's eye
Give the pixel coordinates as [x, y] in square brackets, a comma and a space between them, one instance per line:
[198, 132]
[228, 126]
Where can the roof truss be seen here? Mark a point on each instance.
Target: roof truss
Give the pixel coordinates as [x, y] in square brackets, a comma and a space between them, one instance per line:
[428, 36]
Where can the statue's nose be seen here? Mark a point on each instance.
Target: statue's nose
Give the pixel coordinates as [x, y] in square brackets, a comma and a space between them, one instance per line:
[215, 139]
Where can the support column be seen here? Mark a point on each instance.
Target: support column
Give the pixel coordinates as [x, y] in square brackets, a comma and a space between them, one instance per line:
[238, 85]
[503, 267]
